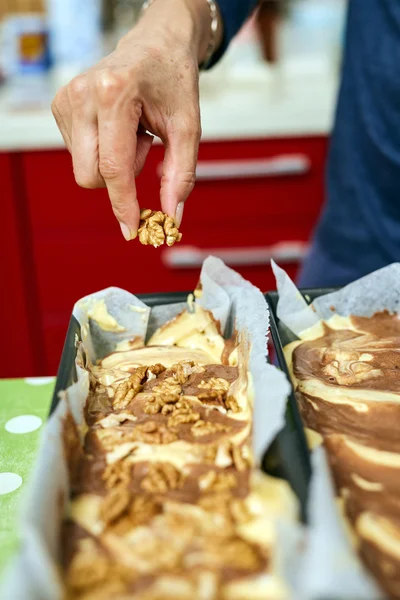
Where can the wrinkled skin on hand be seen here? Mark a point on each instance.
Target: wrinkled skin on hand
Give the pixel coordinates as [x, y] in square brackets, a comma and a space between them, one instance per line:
[148, 86]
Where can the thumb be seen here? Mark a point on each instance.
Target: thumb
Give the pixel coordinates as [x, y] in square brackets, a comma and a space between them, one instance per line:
[179, 166]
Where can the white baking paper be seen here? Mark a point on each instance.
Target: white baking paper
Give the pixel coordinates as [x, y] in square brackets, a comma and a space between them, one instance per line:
[233, 301]
[375, 292]
[330, 567]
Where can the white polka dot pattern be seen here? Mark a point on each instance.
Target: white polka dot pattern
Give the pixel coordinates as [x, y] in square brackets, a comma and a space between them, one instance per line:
[9, 482]
[38, 380]
[23, 424]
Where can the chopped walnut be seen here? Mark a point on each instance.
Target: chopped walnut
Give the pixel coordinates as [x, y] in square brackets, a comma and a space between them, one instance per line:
[157, 228]
[182, 406]
[167, 437]
[232, 404]
[183, 370]
[161, 477]
[215, 383]
[118, 473]
[182, 417]
[128, 389]
[166, 392]
[143, 509]
[88, 568]
[151, 432]
[152, 406]
[214, 397]
[168, 389]
[217, 482]
[115, 504]
[207, 428]
[217, 389]
[156, 369]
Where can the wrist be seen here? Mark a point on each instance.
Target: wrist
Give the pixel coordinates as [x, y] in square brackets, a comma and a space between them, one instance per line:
[190, 25]
[205, 35]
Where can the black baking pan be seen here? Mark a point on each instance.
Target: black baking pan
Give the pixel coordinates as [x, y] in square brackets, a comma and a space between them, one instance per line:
[281, 336]
[287, 457]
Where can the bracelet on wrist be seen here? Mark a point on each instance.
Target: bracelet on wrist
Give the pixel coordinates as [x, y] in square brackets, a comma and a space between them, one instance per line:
[213, 30]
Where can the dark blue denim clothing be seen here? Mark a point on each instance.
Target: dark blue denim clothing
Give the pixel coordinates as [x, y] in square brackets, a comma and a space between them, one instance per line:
[359, 230]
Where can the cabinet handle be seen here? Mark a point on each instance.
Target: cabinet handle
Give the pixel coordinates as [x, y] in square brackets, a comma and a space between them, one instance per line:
[277, 166]
[192, 257]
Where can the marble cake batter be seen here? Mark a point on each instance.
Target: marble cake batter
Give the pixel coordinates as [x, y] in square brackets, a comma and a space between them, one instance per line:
[165, 502]
[346, 373]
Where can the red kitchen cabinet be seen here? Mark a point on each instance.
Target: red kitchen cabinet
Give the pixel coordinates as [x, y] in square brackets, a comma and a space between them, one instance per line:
[252, 199]
[21, 351]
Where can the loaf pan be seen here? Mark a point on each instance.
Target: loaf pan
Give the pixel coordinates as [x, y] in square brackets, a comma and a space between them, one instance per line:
[287, 457]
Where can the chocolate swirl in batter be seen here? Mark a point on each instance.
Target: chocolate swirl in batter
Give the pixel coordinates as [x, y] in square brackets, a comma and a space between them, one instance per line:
[365, 359]
[347, 384]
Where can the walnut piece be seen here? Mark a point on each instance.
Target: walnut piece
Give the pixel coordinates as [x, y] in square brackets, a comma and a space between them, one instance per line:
[143, 509]
[207, 428]
[128, 389]
[166, 392]
[161, 477]
[118, 473]
[182, 416]
[151, 432]
[115, 504]
[232, 404]
[212, 481]
[157, 228]
[182, 406]
[215, 383]
[183, 370]
[216, 392]
[156, 369]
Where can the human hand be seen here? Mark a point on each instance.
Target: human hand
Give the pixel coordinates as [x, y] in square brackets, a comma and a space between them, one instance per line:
[148, 84]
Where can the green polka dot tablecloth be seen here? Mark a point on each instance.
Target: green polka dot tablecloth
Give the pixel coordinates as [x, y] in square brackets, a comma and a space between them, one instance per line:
[24, 408]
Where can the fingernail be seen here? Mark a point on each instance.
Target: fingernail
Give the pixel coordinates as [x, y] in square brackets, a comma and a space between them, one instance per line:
[179, 213]
[126, 232]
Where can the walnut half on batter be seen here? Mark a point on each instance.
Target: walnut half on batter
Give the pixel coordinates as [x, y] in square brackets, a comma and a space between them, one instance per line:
[157, 228]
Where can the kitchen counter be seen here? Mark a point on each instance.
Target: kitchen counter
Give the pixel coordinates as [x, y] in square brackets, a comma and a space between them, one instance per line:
[243, 102]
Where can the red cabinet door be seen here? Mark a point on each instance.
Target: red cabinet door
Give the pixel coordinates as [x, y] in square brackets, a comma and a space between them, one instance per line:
[21, 351]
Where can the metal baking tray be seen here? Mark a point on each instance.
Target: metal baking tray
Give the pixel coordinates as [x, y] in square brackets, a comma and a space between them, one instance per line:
[287, 457]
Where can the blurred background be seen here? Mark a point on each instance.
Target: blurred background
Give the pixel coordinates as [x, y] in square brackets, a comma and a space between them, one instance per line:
[267, 112]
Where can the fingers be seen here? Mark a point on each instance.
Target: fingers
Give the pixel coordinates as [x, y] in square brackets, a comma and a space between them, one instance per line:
[118, 122]
[62, 113]
[84, 135]
[179, 167]
[144, 143]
